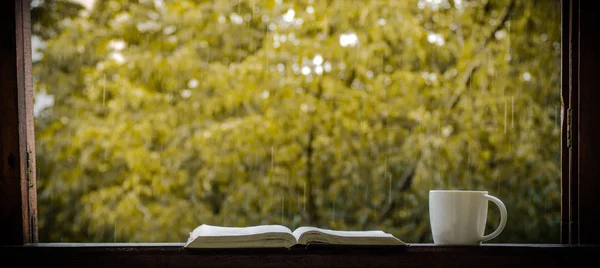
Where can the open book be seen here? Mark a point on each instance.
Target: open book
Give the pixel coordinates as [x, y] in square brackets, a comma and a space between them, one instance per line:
[209, 236]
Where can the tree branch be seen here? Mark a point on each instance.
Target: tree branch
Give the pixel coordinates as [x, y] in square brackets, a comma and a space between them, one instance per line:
[503, 20]
[471, 68]
[313, 215]
[402, 185]
[463, 84]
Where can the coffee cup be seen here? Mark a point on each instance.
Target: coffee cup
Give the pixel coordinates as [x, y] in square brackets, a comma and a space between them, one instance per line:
[458, 217]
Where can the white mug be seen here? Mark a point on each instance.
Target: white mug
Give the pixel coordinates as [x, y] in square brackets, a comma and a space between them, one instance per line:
[458, 217]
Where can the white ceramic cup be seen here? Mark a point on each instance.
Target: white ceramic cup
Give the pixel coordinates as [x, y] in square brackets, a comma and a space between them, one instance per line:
[458, 217]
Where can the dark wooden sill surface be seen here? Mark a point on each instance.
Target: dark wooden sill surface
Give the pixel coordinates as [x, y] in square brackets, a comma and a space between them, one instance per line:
[415, 255]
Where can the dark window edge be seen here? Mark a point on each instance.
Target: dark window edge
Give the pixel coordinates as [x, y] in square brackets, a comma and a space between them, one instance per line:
[17, 180]
[414, 255]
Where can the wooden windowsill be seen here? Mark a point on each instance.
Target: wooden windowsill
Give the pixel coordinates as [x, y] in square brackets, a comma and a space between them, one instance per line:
[415, 255]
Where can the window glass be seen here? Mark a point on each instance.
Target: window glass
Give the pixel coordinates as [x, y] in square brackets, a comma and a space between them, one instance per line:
[155, 116]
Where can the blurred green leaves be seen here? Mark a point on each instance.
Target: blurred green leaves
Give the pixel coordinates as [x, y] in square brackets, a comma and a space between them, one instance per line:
[338, 113]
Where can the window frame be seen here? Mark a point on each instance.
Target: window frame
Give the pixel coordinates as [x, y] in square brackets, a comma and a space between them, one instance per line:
[580, 154]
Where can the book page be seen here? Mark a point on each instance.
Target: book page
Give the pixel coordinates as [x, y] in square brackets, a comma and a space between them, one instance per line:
[371, 233]
[307, 234]
[210, 236]
[211, 230]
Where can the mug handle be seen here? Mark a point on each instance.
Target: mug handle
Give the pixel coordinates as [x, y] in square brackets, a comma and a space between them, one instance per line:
[503, 215]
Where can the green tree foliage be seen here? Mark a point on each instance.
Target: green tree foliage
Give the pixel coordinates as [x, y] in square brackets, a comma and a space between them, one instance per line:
[48, 16]
[336, 113]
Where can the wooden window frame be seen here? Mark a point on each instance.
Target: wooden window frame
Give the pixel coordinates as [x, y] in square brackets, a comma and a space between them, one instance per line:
[580, 188]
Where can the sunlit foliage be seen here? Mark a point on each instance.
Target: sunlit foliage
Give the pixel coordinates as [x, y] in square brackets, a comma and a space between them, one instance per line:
[333, 113]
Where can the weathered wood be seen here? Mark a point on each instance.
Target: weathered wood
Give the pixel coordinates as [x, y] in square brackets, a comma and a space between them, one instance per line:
[17, 192]
[565, 105]
[573, 179]
[27, 133]
[10, 192]
[417, 255]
